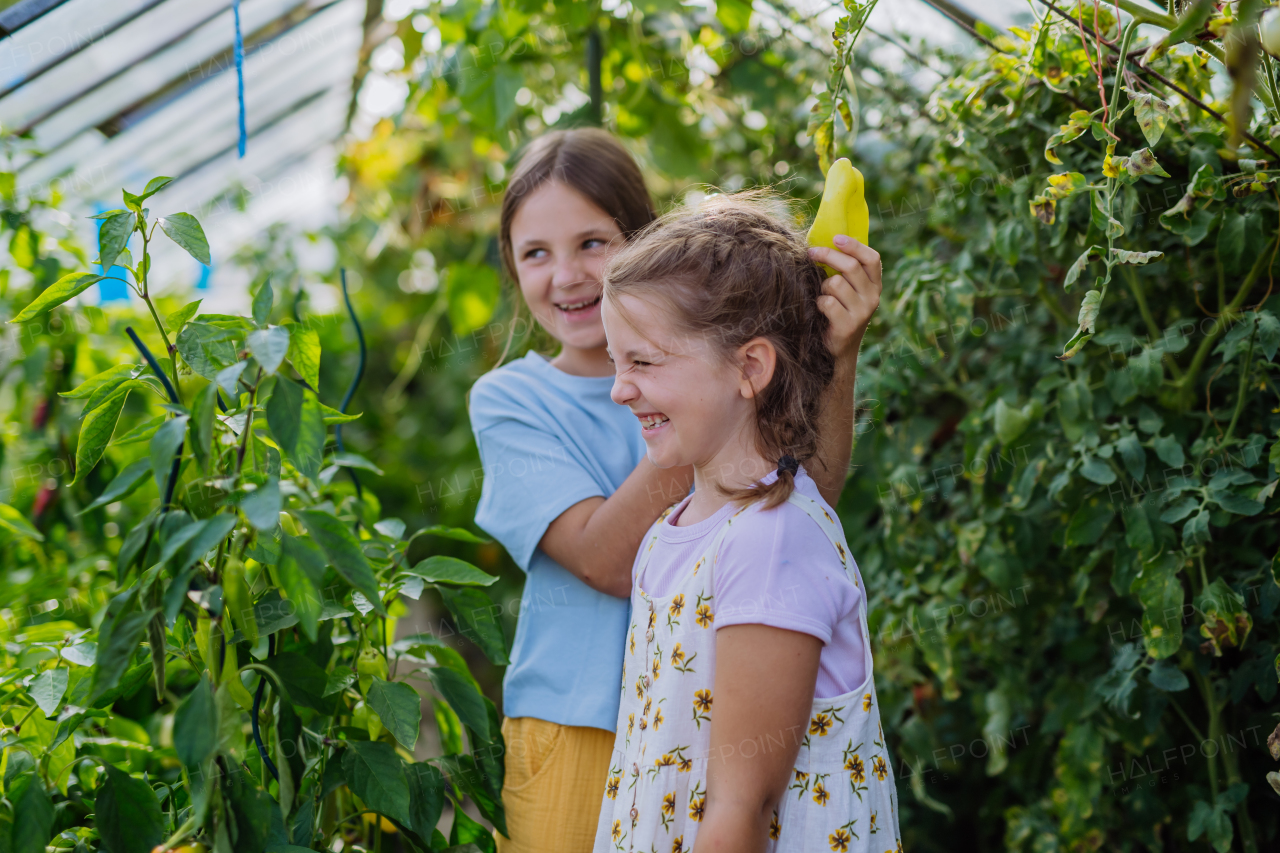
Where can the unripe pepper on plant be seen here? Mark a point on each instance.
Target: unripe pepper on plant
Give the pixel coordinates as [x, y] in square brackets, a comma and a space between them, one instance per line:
[843, 209]
[1269, 31]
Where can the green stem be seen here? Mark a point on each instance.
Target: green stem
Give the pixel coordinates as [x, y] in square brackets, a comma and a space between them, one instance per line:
[1195, 730]
[1215, 726]
[1144, 14]
[1202, 352]
[146, 297]
[1124, 52]
[1244, 383]
[181, 834]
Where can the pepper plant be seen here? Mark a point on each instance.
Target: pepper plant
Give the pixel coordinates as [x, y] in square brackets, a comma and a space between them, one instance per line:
[251, 606]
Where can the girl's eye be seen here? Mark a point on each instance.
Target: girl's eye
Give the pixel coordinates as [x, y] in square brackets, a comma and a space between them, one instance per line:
[641, 363]
[534, 253]
[593, 243]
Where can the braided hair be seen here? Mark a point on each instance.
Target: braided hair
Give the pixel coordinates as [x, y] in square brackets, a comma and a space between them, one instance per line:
[733, 269]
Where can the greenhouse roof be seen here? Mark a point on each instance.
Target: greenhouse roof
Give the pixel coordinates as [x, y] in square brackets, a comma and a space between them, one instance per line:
[114, 93]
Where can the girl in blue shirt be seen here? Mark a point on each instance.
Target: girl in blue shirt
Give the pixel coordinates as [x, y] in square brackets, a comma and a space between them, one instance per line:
[567, 487]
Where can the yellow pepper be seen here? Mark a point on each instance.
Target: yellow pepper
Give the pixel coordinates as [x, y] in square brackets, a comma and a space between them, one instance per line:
[237, 601]
[843, 209]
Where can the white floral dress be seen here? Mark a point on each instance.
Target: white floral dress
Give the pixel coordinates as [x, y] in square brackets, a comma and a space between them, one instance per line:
[842, 795]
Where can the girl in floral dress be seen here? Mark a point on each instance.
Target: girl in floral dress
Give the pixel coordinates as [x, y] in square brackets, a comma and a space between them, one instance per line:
[748, 718]
[567, 488]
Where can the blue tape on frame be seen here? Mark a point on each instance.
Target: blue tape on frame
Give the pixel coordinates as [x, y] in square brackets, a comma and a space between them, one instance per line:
[239, 53]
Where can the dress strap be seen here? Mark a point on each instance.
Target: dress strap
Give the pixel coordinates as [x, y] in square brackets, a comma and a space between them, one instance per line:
[834, 532]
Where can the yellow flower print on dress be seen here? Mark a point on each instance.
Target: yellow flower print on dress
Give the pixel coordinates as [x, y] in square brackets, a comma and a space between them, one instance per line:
[657, 719]
[685, 765]
[679, 663]
[704, 616]
[611, 790]
[839, 841]
[775, 828]
[640, 687]
[698, 565]
[857, 771]
[653, 619]
[844, 557]
[616, 832]
[879, 768]
[873, 824]
[633, 641]
[677, 846]
[820, 725]
[677, 604]
[631, 723]
[701, 706]
[820, 794]
[668, 809]
[866, 702]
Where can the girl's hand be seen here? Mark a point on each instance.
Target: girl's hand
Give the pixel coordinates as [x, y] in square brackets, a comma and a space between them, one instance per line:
[850, 297]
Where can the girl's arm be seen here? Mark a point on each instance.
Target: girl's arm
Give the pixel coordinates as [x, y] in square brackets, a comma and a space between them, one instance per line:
[597, 539]
[849, 298]
[763, 693]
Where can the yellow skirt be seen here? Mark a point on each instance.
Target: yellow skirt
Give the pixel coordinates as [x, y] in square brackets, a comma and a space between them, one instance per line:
[553, 785]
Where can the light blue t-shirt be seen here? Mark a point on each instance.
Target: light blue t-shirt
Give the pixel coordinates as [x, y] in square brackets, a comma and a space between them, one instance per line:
[547, 441]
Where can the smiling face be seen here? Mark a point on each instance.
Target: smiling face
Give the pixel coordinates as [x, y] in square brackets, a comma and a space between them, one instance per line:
[560, 241]
[695, 405]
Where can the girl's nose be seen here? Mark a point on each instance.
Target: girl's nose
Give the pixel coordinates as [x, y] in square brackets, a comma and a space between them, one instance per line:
[623, 392]
[568, 272]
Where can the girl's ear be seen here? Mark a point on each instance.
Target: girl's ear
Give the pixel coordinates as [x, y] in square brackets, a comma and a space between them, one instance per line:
[758, 358]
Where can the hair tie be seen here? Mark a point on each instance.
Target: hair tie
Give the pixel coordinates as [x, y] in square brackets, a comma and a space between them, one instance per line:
[788, 464]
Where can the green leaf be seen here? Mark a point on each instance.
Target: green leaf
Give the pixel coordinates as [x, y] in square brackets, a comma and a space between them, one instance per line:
[1160, 591]
[1226, 621]
[463, 698]
[203, 408]
[1238, 504]
[1240, 240]
[47, 689]
[113, 236]
[263, 301]
[1079, 266]
[1097, 471]
[195, 726]
[477, 619]
[1152, 114]
[1137, 528]
[127, 814]
[472, 292]
[450, 570]
[347, 459]
[1089, 307]
[284, 414]
[304, 354]
[184, 230]
[118, 639]
[734, 15]
[400, 708]
[32, 814]
[208, 349]
[229, 380]
[111, 377]
[1139, 258]
[1135, 458]
[165, 444]
[95, 433]
[426, 798]
[269, 347]
[1088, 522]
[1010, 422]
[57, 293]
[154, 186]
[262, 506]
[1143, 162]
[177, 319]
[301, 571]
[462, 535]
[1077, 123]
[303, 679]
[1169, 451]
[1166, 676]
[376, 775]
[308, 453]
[343, 553]
[15, 522]
[142, 432]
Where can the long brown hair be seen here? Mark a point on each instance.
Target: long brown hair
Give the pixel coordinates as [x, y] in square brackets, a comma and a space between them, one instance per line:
[733, 269]
[589, 160]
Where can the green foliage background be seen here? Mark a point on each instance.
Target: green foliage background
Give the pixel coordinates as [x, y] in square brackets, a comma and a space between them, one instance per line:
[1071, 561]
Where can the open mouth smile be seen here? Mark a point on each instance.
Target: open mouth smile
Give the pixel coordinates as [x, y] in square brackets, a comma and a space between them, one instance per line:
[578, 307]
[652, 422]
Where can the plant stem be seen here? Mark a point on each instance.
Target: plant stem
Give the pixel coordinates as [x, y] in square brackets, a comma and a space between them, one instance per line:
[146, 297]
[248, 423]
[1244, 383]
[1215, 725]
[1202, 352]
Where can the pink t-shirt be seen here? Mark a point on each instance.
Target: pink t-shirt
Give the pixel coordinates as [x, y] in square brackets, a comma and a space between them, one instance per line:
[777, 569]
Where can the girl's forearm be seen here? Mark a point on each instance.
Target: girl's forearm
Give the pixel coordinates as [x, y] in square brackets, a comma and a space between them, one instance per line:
[597, 539]
[732, 828]
[835, 432]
